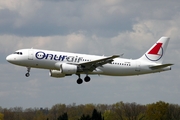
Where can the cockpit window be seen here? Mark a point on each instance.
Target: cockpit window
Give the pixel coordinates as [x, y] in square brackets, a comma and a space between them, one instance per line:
[19, 53]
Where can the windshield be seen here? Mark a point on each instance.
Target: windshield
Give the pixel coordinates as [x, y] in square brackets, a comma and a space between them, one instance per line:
[19, 53]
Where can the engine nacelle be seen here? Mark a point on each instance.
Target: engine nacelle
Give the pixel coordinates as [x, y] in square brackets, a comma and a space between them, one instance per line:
[56, 73]
[68, 69]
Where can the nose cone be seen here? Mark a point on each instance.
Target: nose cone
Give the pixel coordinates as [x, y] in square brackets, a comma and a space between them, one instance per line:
[9, 58]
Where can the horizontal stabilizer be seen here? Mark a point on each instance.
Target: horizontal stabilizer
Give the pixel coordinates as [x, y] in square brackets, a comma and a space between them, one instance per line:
[160, 66]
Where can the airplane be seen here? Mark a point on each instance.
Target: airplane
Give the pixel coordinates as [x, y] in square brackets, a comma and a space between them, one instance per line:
[61, 64]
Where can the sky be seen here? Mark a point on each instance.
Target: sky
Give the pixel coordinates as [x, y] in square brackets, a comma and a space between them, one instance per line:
[99, 27]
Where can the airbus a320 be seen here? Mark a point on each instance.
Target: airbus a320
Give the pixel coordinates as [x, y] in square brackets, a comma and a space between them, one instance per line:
[62, 64]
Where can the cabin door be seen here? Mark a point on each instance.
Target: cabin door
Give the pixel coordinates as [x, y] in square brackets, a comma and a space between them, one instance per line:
[30, 54]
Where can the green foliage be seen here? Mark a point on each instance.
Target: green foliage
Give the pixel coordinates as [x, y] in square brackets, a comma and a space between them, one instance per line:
[85, 117]
[173, 112]
[1, 116]
[157, 111]
[110, 115]
[96, 115]
[119, 111]
[63, 117]
[129, 111]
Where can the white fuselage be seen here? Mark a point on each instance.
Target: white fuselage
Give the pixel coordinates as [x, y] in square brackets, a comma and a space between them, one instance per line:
[61, 64]
[45, 59]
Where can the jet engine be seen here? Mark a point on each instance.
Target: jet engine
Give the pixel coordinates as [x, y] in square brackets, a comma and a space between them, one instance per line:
[56, 73]
[68, 69]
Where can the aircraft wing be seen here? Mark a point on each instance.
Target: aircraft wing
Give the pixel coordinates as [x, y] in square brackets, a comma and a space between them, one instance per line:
[91, 65]
[160, 66]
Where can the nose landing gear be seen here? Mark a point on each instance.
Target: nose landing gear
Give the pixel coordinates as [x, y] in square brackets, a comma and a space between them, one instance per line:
[28, 72]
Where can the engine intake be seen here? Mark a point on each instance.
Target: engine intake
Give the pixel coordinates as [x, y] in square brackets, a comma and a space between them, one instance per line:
[56, 73]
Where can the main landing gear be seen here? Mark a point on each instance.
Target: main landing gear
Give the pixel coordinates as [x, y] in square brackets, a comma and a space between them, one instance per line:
[86, 79]
[28, 72]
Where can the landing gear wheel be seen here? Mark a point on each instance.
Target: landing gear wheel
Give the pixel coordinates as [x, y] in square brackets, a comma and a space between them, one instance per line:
[79, 81]
[87, 79]
[27, 74]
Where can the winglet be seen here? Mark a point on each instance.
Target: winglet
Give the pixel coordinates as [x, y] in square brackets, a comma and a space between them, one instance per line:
[115, 56]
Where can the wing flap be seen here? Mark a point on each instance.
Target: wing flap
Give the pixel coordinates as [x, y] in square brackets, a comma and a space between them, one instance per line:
[91, 65]
[160, 66]
[102, 61]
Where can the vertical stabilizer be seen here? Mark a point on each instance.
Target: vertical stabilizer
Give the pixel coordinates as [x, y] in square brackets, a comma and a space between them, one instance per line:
[157, 51]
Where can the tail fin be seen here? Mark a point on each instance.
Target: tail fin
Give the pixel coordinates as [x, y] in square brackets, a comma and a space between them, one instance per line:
[157, 51]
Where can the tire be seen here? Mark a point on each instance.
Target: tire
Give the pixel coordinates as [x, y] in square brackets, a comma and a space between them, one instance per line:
[27, 74]
[87, 79]
[79, 81]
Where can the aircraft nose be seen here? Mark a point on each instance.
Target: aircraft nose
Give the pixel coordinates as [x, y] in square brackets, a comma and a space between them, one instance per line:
[9, 58]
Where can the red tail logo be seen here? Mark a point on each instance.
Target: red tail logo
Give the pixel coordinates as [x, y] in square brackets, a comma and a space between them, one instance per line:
[155, 49]
[155, 53]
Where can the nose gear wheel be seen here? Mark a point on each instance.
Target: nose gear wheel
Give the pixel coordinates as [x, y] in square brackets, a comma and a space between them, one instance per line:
[28, 72]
